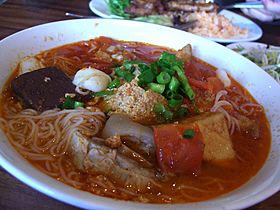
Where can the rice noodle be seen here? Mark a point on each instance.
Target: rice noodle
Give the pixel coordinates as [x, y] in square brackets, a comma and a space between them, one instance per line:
[44, 138]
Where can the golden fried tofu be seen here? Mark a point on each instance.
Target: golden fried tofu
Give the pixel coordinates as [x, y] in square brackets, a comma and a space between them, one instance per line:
[218, 145]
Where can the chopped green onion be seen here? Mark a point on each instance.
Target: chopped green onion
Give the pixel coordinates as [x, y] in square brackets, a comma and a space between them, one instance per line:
[188, 134]
[115, 83]
[184, 82]
[168, 115]
[158, 88]
[163, 78]
[175, 101]
[78, 104]
[130, 65]
[163, 111]
[181, 112]
[124, 74]
[159, 107]
[146, 77]
[70, 103]
[174, 84]
[103, 93]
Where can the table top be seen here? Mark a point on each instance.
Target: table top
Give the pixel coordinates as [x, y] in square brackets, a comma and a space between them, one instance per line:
[16, 15]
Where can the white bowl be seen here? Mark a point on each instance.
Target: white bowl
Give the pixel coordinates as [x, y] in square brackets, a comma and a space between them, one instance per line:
[266, 91]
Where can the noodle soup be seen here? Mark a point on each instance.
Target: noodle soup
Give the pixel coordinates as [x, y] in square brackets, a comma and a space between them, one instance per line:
[112, 141]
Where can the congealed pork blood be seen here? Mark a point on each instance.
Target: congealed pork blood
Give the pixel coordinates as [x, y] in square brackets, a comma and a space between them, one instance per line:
[42, 89]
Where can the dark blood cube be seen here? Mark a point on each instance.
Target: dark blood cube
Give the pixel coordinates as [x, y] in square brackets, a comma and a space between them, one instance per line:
[42, 89]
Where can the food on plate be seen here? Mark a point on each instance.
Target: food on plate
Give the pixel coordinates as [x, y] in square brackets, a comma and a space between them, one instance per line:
[134, 121]
[215, 25]
[203, 16]
[268, 58]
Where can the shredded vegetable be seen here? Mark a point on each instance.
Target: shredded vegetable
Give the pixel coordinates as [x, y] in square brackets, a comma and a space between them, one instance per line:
[267, 58]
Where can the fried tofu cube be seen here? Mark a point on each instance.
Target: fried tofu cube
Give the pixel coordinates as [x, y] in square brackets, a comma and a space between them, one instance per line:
[218, 145]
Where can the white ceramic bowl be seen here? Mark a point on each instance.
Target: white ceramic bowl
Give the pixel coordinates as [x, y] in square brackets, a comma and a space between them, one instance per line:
[262, 87]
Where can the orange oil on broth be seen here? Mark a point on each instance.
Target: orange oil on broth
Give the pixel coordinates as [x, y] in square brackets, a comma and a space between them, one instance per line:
[213, 180]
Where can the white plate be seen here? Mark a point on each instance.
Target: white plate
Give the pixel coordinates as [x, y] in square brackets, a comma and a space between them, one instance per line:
[100, 8]
[248, 45]
[265, 90]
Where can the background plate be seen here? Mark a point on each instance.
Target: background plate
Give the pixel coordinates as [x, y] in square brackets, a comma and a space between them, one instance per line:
[100, 8]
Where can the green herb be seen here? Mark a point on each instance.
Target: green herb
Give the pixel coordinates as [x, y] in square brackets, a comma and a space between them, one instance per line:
[174, 84]
[163, 112]
[163, 78]
[146, 77]
[126, 75]
[103, 93]
[117, 7]
[158, 88]
[130, 65]
[70, 103]
[115, 83]
[175, 101]
[184, 82]
[181, 112]
[188, 134]
[159, 108]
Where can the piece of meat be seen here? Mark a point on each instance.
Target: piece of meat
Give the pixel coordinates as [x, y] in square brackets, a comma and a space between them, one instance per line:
[106, 161]
[218, 145]
[144, 8]
[113, 142]
[185, 54]
[139, 134]
[189, 7]
[78, 149]
[42, 89]
[122, 165]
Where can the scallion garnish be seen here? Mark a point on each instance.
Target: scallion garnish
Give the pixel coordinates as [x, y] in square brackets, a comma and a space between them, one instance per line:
[70, 103]
[188, 134]
[128, 76]
[181, 112]
[158, 88]
[175, 101]
[103, 93]
[163, 78]
[174, 84]
[115, 83]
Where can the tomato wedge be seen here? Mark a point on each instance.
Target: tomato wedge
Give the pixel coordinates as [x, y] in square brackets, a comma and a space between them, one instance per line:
[175, 153]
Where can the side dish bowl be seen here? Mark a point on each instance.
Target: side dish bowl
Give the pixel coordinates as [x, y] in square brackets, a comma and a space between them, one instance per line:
[264, 89]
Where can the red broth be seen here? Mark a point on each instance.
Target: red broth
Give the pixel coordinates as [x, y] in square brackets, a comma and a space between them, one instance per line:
[213, 180]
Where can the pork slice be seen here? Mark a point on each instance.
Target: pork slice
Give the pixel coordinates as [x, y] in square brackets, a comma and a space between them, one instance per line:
[121, 125]
[106, 161]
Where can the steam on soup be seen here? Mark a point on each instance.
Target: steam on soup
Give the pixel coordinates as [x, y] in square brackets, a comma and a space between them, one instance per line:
[134, 121]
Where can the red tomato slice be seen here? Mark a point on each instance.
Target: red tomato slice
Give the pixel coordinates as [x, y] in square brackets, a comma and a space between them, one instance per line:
[176, 154]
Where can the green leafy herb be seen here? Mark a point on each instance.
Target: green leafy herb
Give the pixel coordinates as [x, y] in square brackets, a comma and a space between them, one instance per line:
[158, 88]
[115, 83]
[181, 112]
[163, 112]
[175, 101]
[70, 103]
[188, 134]
[117, 7]
[163, 78]
[146, 77]
[126, 75]
[103, 93]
